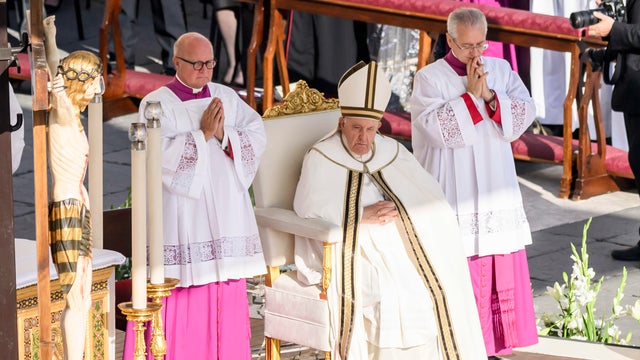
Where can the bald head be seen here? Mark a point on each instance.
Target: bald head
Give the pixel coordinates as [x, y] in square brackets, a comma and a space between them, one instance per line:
[189, 49]
[190, 39]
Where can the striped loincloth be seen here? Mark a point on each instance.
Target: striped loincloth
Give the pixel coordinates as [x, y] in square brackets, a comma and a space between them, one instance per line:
[70, 237]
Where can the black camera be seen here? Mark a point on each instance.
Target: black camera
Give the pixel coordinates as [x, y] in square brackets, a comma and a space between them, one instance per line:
[614, 9]
[596, 57]
[600, 60]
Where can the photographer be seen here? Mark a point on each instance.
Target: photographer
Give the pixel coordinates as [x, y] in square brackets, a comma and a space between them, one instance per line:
[624, 39]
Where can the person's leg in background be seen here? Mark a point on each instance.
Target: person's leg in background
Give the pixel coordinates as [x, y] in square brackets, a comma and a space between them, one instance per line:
[169, 22]
[632, 125]
[226, 12]
[128, 22]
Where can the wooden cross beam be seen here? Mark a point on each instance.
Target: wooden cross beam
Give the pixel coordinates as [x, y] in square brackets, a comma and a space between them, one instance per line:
[40, 96]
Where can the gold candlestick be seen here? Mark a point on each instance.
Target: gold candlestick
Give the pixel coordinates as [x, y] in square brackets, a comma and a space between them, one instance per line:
[157, 292]
[139, 316]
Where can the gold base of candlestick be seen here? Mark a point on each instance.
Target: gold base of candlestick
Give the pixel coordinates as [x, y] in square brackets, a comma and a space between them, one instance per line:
[139, 316]
[157, 292]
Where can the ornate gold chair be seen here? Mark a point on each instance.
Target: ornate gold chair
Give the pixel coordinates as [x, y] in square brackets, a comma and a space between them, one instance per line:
[293, 312]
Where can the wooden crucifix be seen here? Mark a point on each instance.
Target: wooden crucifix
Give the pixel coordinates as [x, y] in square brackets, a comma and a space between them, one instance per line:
[40, 96]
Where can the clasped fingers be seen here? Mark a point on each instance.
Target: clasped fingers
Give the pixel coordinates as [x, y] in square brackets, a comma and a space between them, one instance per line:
[212, 122]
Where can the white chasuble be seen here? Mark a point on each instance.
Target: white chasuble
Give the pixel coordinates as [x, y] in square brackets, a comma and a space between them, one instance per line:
[204, 189]
[403, 285]
[474, 163]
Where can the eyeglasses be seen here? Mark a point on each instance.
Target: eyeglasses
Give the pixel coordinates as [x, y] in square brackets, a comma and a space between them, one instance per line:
[468, 47]
[197, 65]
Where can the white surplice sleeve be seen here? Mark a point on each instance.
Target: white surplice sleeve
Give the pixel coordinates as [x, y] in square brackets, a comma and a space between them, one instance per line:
[184, 149]
[517, 109]
[438, 112]
[441, 117]
[186, 153]
[184, 159]
[246, 136]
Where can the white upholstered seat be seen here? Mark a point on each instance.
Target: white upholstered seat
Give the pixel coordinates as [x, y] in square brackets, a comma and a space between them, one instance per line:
[293, 312]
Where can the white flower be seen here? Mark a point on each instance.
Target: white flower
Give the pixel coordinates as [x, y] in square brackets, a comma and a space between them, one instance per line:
[598, 323]
[634, 311]
[576, 298]
[556, 292]
[614, 331]
[590, 273]
[575, 271]
[584, 296]
[617, 310]
[573, 324]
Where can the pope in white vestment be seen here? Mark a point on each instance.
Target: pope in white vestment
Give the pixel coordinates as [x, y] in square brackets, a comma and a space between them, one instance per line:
[400, 287]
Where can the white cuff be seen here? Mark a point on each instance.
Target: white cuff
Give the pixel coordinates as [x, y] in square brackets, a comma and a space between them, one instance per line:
[224, 144]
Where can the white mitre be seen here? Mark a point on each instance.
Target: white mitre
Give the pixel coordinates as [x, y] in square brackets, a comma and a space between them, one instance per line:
[364, 91]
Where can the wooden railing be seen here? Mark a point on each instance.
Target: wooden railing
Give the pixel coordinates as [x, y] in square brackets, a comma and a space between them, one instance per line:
[507, 25]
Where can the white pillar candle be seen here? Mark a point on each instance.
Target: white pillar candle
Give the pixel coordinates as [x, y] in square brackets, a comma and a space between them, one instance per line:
[137, 135]
[152, 113]
[95, 170]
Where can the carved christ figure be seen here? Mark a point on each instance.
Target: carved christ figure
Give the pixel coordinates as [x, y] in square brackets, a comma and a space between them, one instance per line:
[75, 81]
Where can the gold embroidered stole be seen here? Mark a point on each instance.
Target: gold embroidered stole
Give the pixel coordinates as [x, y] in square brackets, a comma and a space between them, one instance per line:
[427, 272]
[416, 253]
[349, 249]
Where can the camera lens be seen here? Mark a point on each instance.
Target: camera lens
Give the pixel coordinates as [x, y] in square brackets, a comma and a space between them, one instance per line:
[580, 19]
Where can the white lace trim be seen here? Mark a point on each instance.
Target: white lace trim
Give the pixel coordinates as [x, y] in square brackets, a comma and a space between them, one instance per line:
[492, 222]
[187, 166]
[247, 155]
[236, 246]
[451, 133]
[519, 115]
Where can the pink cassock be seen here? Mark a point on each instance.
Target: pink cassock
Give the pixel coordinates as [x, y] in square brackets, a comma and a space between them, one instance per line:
[503, 293]
[218, 318]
